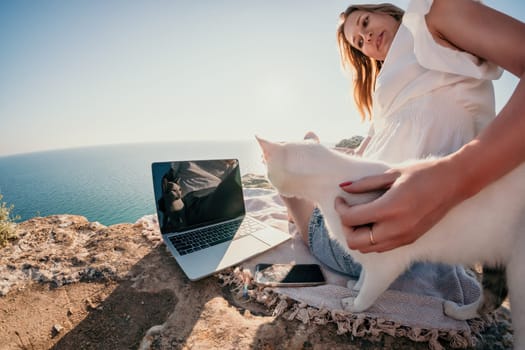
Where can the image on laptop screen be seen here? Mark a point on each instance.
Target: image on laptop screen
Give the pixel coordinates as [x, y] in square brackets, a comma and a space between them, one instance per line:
[191, 194]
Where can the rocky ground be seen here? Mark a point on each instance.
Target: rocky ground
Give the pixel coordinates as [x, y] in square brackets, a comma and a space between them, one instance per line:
[67, 283]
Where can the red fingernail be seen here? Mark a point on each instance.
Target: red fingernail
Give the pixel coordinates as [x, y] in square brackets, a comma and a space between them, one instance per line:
[346, 183]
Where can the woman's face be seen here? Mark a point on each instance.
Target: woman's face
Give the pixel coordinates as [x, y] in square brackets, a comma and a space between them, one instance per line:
[370, 32]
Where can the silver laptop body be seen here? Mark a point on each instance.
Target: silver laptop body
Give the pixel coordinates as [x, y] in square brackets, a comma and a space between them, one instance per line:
[202, 216]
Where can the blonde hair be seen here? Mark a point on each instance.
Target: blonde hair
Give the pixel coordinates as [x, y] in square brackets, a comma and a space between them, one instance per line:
[363, 68]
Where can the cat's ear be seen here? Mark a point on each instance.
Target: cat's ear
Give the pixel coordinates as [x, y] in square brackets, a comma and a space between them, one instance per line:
[268, 147]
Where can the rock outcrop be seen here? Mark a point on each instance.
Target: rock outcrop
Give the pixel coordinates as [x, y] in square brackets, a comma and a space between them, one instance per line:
[67, 283]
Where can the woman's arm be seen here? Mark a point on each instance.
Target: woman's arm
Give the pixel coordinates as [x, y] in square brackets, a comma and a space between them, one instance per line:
[361, 149]
[419, 196]
[498, 38]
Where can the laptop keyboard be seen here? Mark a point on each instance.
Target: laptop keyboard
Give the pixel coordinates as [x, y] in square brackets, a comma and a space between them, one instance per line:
[209, 236]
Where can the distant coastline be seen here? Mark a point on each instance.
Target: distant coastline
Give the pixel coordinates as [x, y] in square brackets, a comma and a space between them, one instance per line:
[108, 183]
[123, 144]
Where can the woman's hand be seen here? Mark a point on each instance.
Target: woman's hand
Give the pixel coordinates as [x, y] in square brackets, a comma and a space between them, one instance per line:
[417, 197]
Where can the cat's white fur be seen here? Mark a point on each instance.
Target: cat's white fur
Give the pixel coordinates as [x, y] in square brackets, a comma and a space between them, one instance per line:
[486, 228]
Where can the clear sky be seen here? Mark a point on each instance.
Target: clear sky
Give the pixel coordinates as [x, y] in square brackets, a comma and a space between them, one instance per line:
[78, 72]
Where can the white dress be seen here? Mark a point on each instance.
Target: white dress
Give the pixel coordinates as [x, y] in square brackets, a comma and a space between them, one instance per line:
[429, 99]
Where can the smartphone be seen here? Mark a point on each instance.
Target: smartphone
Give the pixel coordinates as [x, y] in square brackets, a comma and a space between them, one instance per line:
[289, 275]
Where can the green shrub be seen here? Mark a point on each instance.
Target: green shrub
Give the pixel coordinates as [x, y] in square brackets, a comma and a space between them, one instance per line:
[352, 142]
[7, 223]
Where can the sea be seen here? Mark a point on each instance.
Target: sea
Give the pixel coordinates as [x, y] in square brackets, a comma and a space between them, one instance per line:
[109, 184]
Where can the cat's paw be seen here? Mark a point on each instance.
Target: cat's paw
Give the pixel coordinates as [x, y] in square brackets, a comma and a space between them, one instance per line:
[353, 304]
[348, 303]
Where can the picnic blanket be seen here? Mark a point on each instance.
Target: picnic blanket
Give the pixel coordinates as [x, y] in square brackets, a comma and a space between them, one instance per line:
[411, 307]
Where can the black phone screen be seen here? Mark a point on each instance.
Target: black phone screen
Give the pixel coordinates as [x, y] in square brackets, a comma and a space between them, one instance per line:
[289, 274]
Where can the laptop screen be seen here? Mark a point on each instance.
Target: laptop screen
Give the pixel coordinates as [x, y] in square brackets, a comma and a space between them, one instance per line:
[190, 194]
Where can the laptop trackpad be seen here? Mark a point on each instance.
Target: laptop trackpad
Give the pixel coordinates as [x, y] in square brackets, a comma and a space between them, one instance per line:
[242, 248]
[206, 261]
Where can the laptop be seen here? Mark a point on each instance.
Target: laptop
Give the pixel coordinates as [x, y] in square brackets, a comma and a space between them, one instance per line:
[202, 216]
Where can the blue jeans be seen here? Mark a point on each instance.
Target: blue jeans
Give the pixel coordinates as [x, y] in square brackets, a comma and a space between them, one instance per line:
[328, 250]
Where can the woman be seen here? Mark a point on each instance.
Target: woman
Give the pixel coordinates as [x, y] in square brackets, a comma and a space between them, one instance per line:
[419, 106]
[410, 207]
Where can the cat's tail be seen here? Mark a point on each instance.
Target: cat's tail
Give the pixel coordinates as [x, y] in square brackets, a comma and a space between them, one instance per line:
[463, 312]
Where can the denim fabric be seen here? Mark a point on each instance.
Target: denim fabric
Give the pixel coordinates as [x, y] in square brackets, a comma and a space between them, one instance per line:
[328, 250]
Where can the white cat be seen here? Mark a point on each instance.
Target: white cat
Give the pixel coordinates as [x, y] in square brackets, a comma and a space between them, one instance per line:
[486, 228]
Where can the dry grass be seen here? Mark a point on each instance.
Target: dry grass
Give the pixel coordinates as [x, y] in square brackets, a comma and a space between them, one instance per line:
[8, 227]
